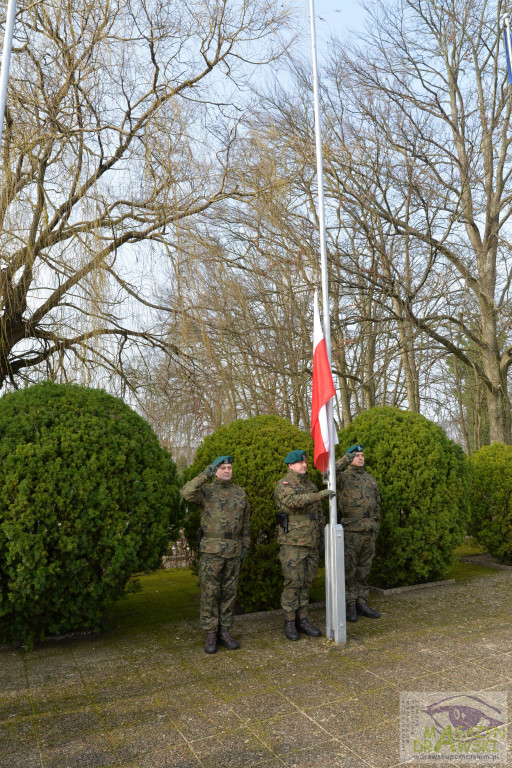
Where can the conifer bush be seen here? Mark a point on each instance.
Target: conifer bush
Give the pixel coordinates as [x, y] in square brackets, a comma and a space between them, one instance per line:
[258, 447]
[424, 486]
[87, 498]
[491, 499]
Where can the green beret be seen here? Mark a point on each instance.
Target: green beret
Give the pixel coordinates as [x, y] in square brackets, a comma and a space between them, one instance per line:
[294, 456]
[357, 448]
[222, 460]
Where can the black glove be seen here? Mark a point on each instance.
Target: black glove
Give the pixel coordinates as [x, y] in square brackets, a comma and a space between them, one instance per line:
[328, 494]
[244, 554]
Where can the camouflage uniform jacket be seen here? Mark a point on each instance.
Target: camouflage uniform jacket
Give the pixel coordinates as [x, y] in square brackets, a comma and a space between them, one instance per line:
[358, 498]
[224, 512]
[297, 496]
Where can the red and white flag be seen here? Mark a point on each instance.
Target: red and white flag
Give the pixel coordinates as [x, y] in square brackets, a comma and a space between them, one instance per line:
[323, 390]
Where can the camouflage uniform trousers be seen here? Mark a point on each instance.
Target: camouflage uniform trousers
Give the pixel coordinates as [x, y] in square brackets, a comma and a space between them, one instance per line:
[300, 565]
[359, 553]
[218, 578]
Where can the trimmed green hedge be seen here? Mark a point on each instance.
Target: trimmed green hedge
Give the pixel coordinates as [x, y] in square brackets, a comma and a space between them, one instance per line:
[87, 496]
[491, 500]
[258, 446]
[424, 486]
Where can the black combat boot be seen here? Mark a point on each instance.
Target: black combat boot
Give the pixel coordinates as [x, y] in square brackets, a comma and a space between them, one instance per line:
[225, 639]
[364, 610]
[211, 642]
[290, 630]
[304, 625]
[351, 612]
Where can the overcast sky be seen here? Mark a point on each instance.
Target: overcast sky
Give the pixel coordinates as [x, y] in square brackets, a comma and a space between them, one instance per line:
[336, 16]
[332, 17]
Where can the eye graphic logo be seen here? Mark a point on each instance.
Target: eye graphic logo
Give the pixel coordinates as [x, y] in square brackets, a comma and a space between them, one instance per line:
[453, 727]
[464, 713]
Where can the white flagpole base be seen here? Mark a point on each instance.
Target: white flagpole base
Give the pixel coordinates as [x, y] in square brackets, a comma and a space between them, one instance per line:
[336, 621]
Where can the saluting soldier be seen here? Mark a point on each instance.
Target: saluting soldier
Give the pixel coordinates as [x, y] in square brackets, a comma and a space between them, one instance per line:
[358, 501]
[300, 533]
[224, 540]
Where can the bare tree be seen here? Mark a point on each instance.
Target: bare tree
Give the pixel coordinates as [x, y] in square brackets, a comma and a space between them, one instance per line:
[426, 137]
[120, 126]
[416, 171]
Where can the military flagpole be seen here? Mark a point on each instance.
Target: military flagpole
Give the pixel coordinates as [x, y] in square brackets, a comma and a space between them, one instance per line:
[508, 45]
[334, 549]
[6, 60]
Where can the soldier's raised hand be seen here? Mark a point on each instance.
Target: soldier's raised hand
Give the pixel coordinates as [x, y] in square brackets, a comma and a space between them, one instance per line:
[212, 468]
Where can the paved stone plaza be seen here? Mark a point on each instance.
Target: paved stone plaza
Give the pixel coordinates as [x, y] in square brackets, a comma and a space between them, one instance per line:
[154, 699]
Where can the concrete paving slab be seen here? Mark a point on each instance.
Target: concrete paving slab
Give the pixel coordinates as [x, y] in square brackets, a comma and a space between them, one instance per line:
[310, 694]
[54, 700]
[362, 679]
[285, 733]
[236, 750]
[174, 698]
[384, 703]
[12, 672]
[140, 739]
[154, 699]
[19, 744]
[90, 753]
[118, 689]
[171, 757]
[343, 717]
[14, 705]
[464, 677]
[57, 729]
[93, 672]
[261, 655]
[263, 706]
[127, 712]
[28, 757]
[203, 717]
[377, 746]
[330, 754]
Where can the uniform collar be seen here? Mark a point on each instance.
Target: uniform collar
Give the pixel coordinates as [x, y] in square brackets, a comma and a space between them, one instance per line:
[359, 470]
[223, 482]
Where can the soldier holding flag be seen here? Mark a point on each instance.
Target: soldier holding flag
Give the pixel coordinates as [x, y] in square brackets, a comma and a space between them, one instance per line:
[359, 512]
[300, 534]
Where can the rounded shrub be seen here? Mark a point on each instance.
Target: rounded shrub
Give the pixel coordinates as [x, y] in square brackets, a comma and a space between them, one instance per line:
[258, 447]
[424, 487]
[87, 496]
[491, 500]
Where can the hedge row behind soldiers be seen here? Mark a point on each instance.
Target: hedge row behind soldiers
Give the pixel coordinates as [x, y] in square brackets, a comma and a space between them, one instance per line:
[224, 540]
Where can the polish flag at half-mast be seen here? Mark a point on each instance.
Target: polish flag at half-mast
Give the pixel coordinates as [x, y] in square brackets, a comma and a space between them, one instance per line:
[323, 390]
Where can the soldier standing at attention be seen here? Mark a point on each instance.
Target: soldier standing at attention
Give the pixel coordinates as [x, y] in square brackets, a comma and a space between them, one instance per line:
[224, 540]
[301, 529]
[358, 501]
